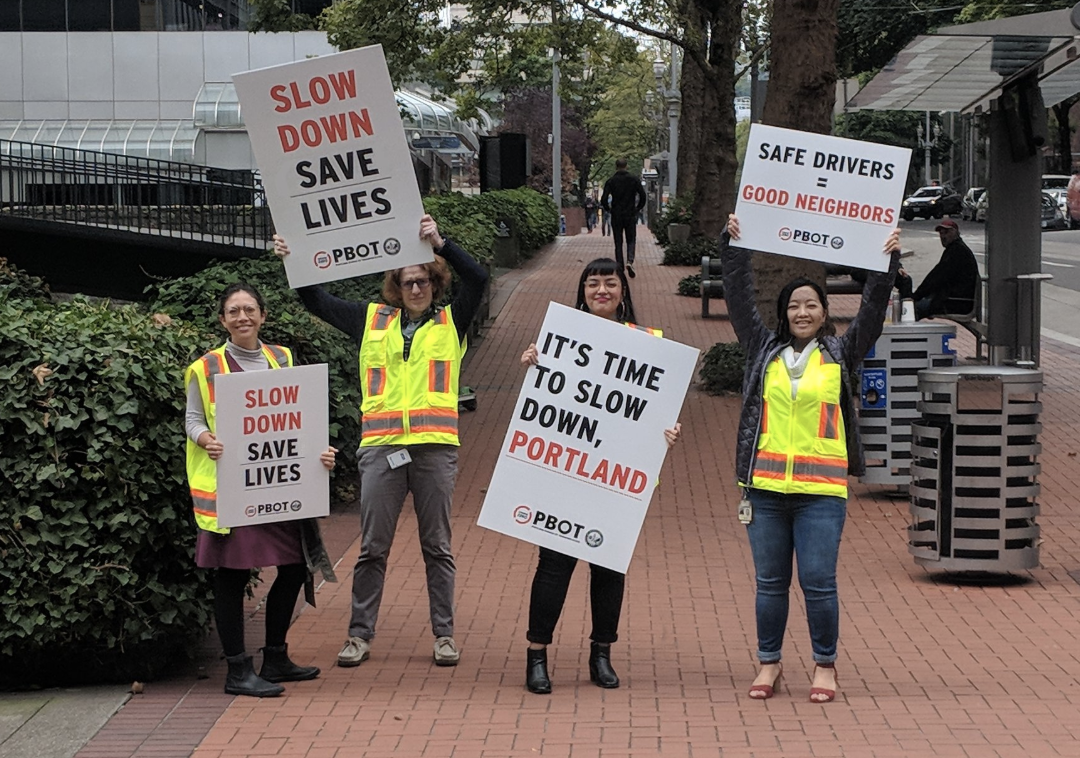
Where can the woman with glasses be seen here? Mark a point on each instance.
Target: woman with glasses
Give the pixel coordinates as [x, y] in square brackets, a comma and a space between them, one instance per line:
[294, 547]
[410, 350]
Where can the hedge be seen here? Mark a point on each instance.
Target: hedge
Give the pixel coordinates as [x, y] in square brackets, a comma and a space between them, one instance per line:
[722, 368]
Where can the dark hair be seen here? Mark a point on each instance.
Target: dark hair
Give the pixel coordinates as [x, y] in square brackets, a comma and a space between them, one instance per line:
[620, 164]
[607, 267]
[235, 287]
[783, 328]
[438, 272]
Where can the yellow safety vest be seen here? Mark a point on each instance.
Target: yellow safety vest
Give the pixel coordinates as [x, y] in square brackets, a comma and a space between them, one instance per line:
[409, 402]
[802, 446]
[201, 471]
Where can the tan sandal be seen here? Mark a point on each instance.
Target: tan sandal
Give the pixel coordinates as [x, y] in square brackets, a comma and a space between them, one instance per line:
[766, 691]
[829, 695]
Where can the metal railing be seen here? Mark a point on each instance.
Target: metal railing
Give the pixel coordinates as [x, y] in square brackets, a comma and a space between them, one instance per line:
[144, 195]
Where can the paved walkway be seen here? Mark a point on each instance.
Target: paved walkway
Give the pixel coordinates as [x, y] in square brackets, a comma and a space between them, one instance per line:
[927, 665]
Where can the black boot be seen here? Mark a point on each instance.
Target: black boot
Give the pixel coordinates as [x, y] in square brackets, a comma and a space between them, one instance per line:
[241, 679]
[536, 675]
[600, 671]
[278, 668]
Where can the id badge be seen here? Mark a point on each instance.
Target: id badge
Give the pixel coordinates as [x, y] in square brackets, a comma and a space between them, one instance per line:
[399, 458]
[746, 511]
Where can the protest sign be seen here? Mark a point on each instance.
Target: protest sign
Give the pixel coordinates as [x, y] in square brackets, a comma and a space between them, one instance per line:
[824, 198]
[273, 425]
[580, 461]
[335, 164]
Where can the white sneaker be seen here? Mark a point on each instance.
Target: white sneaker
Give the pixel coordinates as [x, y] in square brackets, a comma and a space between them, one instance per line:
[446, 652]
[355, 652]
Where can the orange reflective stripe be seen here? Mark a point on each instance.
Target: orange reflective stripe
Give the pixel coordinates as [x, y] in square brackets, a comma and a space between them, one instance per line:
[770, 465]
[764, 416]
[820, 470]
[443, 421]
[382, 318]
[380, 424]
[439, 376]
[376, 381]
[829, 423]
[441, 318]
[212, 365]
[279, 354]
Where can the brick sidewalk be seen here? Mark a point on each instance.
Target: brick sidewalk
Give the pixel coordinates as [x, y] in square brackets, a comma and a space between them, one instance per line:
[927, 665]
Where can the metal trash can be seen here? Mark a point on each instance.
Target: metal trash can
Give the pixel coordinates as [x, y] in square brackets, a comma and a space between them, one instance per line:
[974, 470]
[889, 391]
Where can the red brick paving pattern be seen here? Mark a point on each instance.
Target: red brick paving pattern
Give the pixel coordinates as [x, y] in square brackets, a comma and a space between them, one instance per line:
[927, 665]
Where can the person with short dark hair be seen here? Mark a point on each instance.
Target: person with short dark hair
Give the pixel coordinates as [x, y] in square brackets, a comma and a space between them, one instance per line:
[951, 285]
[410, 352]
[623, 198]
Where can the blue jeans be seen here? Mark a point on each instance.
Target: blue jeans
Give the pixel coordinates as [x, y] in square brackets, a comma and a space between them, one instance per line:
[808, 526]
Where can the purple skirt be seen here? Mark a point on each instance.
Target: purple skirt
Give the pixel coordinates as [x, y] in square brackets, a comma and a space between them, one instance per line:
[247, 547]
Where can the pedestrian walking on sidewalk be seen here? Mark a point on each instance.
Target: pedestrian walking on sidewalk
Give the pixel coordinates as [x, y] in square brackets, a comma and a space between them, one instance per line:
[603, 292]
[410, 352]
[623, 198]
[797, 442]
[233, 553]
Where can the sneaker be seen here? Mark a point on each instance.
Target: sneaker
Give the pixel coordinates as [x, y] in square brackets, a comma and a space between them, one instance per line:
[355, 652]
[446, 652]
[630, 270]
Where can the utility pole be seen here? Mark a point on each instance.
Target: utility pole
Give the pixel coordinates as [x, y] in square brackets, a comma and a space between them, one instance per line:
[556, 118]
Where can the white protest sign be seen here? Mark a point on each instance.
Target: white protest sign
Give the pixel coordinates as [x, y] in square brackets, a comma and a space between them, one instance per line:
[824, 198]
[328, 138]
[273, 425]
[580, 461]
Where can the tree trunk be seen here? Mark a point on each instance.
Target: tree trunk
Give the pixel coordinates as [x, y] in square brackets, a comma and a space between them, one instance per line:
[802, 93]
[692, 87]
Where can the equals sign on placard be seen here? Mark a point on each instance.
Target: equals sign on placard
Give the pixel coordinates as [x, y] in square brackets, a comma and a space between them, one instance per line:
[822, 181]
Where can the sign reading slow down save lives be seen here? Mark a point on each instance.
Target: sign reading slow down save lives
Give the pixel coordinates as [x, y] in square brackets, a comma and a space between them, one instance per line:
[273, 426]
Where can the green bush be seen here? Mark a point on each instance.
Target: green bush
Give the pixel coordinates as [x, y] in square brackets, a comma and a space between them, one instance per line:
[470, 219]
[690, 286]
[96, 533]
[677, 211]
[690, 253]
[722, 368]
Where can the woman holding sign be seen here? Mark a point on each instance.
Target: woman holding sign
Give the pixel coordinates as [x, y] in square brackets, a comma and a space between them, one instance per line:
[602, 291]
[410, 358]
[294, 547]
[798, 441]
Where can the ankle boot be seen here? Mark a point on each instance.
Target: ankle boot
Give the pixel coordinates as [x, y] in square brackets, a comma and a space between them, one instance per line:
[536, 673]
[600, 671]
[242, 680]
[278, 668]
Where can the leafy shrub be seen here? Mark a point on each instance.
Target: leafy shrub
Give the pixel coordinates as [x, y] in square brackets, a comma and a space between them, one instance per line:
[470, 219]
[16, 284]
[722, 368]
[690, 286]
[677, 211]
[689, 253]
[96, 533]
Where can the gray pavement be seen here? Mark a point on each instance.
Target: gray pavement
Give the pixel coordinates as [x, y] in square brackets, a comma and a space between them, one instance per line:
[55, 723]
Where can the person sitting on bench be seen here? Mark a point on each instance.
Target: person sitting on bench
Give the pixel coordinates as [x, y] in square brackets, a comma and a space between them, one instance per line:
[950, 285]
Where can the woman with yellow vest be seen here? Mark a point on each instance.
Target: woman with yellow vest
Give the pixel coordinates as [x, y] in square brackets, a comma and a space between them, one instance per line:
[294, 547]
[602, 291]
[797, 442]
[410, 352]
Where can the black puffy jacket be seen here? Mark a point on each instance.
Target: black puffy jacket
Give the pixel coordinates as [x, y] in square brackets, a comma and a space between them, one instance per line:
[762, 345]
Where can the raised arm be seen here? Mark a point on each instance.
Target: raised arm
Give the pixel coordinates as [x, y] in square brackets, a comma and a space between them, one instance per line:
[739, 290]
[473, 280]
[869, 321]
[339, 313]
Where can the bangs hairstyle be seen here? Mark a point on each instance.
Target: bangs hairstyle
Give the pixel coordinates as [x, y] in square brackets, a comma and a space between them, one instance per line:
[437, 271]
[607, 267]
[235, 287]
[783, 328]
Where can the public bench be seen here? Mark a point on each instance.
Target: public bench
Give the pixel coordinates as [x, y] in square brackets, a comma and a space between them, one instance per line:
[838, 281]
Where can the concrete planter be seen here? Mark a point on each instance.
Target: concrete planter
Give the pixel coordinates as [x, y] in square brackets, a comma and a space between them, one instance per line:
[678, 232]
[575, 220]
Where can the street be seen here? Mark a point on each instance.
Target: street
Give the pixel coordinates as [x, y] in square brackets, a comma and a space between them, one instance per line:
[1060, 257]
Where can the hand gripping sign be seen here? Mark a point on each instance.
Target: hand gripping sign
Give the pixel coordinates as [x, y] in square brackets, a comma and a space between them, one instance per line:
[274, 425]
[328, 139]
[818, 197]
[580, 461]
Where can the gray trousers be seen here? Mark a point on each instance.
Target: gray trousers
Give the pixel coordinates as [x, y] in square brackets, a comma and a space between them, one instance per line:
[430, 477]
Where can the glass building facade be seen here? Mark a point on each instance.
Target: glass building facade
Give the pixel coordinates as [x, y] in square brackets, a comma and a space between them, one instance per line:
[133, 15]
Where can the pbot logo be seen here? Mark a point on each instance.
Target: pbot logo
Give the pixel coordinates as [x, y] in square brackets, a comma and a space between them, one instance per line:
[837, 242]
[250, 511]
[785, 233]
[323, 259]
[522, 514]
[391, 246]
[560, 526]
[296, 505]
[594, 538]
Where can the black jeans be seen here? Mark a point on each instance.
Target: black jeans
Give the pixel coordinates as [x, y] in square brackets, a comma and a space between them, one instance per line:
[549, 587]
[619, 228]
[229, 585]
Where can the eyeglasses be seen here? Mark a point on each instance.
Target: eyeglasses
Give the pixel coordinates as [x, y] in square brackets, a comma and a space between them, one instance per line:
[248, 310]
[423, 284]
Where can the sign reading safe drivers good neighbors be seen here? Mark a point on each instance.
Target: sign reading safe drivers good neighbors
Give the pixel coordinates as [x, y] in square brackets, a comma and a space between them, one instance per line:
[273, 425]
[580, 461]
[824, 198]
[328, 138]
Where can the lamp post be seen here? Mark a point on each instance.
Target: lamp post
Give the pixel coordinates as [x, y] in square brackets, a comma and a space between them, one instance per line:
[927, 140]
[673, 98]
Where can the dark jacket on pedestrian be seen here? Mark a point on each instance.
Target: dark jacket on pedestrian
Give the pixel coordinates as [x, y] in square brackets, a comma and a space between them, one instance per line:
[762, 345]
[623, 197]
[951, 284]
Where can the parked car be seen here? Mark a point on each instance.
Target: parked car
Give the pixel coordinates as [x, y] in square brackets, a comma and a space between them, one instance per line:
[931, 201]
[967, 205]
[982, 206]
[1052, 217]
[1055, 181]
[1059, 196]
